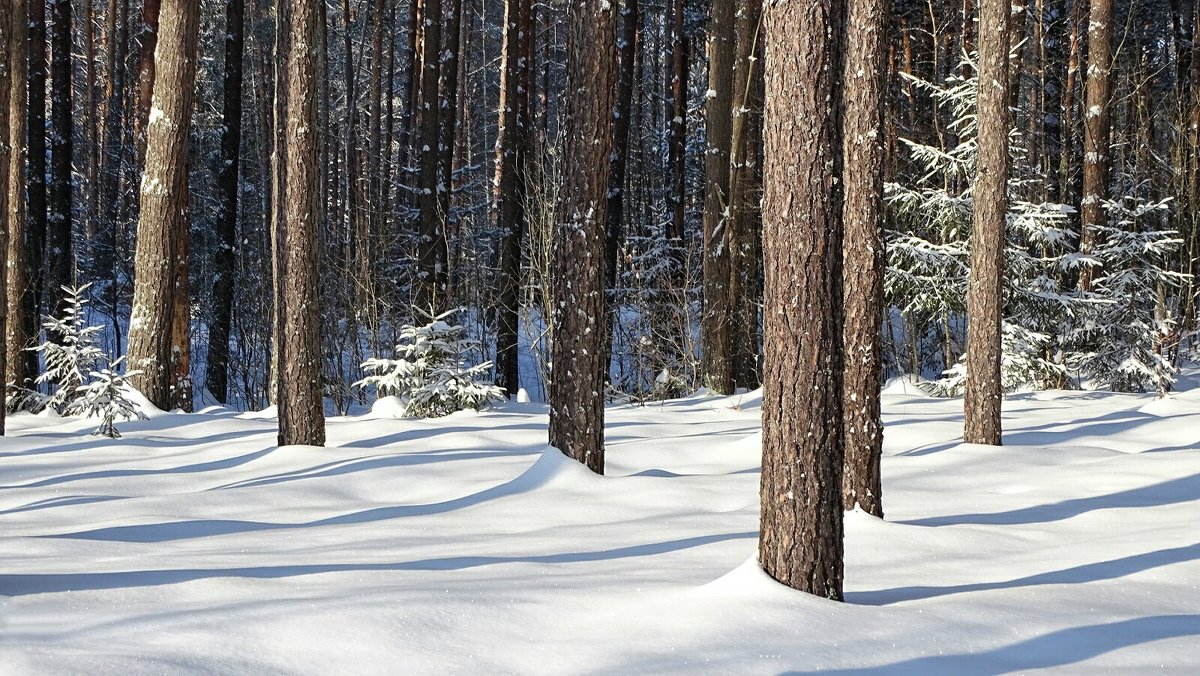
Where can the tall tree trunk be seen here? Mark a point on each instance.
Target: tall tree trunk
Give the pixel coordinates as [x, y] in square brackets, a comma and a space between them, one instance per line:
[745, 195]
[863, 248]
[716, 322]
[677, 113]
[1096, 132]
[447, 102]
[430, 289]
[7, 58]
[104, 252]
[228, 181]
[512, 138]
[36, 132]
[801, 492]
[984, 392]
[162, 223]
[301, 413]
[18, 335]
[577, 273]
[60, 260]
[278, 190]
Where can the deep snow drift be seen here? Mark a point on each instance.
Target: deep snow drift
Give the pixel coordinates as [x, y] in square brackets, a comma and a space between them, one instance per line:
[461, 546]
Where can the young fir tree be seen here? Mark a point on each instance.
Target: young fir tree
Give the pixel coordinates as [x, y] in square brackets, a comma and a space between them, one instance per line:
[71, 353]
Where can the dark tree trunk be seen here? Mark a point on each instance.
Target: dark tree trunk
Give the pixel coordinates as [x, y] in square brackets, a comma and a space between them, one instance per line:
[60, 260]
[984, 393]
[228, 182]
[801, 494]
[715, 340]
[7, 58]
[577, 273]
[745, 196]
[511, 153]
[1096, 132]
[677, 63]
[36, 131]
[18, 334]
[447, 102]
[162, 223]
[863, 249]
[148, 41]
[301, 413]
[431, 270]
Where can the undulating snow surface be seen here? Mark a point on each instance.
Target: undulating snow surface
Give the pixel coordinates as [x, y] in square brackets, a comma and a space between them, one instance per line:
[461, 545]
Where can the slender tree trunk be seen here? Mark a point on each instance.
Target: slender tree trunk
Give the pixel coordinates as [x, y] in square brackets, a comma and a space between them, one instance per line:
[162, 223]
[228, 182]
[745, 195]
[577, 274]
[430, 270]
[716, 321]
[36, 131]
[278, 190]
[801, 492]
[1096, 132]
[447, 102]
[677, 113]
[60, 260]
[301, 413]
[511, 152]
[17, 294]
[984, 392]
[7, 58]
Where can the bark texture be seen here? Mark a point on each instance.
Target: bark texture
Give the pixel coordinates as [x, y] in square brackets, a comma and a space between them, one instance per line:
[162, 225]
[60, 259]
[17, 334]
[6, 87]
[301, 412]
[577, 382]
[984, 394]
[864, 252]
[1096, 131]
[801, 490]
[431, 266]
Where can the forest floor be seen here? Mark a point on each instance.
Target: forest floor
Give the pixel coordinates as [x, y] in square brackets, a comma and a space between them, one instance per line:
[194, 545]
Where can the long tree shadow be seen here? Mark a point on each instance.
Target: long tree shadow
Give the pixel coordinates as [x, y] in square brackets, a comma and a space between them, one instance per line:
[1054, 649]
[63, 501]
[1088, 572]
[1173, 491]
[48, 583]
[210, 466]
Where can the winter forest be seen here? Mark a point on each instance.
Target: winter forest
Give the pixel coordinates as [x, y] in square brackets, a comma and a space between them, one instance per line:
[599, 336]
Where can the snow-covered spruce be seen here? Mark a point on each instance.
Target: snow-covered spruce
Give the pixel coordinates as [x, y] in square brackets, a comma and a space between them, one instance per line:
[429, 375]
[69, 351]
[106, 397]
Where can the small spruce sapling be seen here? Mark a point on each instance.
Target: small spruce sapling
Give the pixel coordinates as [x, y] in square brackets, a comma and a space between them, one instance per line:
[69, 351]
[104, 398]
[429, 373]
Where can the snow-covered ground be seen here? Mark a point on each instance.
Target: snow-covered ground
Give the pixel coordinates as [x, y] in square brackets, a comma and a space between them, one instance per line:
[461, 546]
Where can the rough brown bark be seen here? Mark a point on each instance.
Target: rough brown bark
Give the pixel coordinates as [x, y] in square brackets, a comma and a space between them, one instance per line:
[216, 377]
[37, 212]
[162, 224]
[1096, 131]
[448, 115]
[17, 335]
[863, 249]
[301, 412]
[60, 259]
[511, 152]
[715, 341]
[148, 42]
[984, 394]
[577, 272]
[801, 491]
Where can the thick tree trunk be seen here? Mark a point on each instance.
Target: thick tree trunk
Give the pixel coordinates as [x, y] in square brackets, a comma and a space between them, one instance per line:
[162, 223]
[217, 375]
[301, 412]
[17, 336]
[715, 341]
[984, 392]
[1096, 132]
[60, 259]
[577, 273]
[512, 140]
[863, 249]
[148, 41]
[801, 492]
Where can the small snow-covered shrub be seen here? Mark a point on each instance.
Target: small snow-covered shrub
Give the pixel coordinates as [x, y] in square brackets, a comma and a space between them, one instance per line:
[104, 397]
[429, 374]
[69, 351]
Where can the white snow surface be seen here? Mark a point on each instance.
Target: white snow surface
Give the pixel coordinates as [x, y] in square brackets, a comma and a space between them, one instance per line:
[464, 545]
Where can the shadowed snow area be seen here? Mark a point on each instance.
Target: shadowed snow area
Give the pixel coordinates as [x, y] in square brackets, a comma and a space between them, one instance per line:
[464, 545]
